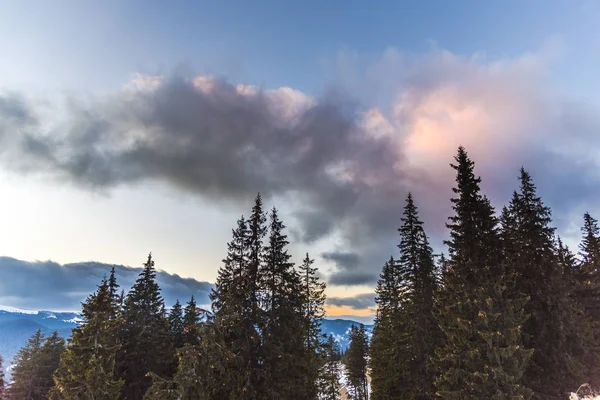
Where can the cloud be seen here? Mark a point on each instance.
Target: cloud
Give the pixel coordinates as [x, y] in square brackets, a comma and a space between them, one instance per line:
[341, 163]
[358, 302]
[50, 286]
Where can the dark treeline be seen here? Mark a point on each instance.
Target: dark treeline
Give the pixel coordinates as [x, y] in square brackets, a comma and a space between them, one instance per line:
[509, 313]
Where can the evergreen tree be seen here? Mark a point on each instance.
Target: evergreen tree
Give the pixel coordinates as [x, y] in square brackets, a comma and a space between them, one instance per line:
[2, 382]
[200, 374]
[191, 319]
[356, 363]
[86, 369]
[25, 373]
[482, 356]
[406, 333]
[50, 355]
[585, 278]
[389, 376]
[145, 344]
[35, 365]
[555, 328]
[176, 325]
[113, 286]
[284, 355]
[313, 304]
[235, 314]
[329, 377]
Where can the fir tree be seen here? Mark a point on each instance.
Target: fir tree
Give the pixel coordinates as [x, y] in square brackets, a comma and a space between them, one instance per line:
[418, 287]
[482, 355]
[313, 304]
[35, 365]
[585, 278]
[176, 325]
[388, 367]
[234, 324]
[200, 373]
[284, 355]
[191, 319]
[329, 377]
[86, 369]
[2, 383]
[406, 332]
[113, 286]
[144, 337]
[356, 363]
[25, 373]
[555, 327]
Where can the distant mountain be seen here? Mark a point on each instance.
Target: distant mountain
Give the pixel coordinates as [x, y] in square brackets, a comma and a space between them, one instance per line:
[16, 326]
[340, 329]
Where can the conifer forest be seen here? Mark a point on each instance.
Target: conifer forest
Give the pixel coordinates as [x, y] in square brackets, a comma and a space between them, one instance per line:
[505, 312]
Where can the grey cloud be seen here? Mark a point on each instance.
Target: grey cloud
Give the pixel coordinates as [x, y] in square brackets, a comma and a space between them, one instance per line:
[225, 146]
[344, 260]
[358, 302]
[51, 286]
[13, 108]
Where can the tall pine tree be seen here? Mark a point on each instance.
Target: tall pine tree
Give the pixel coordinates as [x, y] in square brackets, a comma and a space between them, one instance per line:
[356, 363]
[389, 375]
[144, 337]
[329, 377]
[555, 327]
[35, 365]
[87, 367]
[25, 373]
[191, 318]
[482, 355]
[284, 354]
[2, 383]
[314, 312]
[176, 325]
[237, 315]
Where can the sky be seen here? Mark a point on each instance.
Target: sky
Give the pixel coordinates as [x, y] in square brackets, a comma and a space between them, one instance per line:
[129, 127]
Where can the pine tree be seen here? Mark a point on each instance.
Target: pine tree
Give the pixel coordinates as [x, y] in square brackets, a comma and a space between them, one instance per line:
[236, 315]
[191, 319]
[25, 374]
[113, 286]
[284, 355]
[313, 304]
[35, 365]
[2, 382]
[482, 356]
[199, 373]
[418, 287]
[50, 354]
[356, 363]
[554, 329]
[176, 325]
[86, 369]
[406, 332]
[585, 282]
[329, 376]
[389, 376]
[144, 337]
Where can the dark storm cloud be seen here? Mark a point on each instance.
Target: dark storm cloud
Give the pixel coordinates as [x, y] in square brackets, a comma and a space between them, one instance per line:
[343, 181]
[51, 286]
[344, 260]
[358, 302]
[224, 145]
